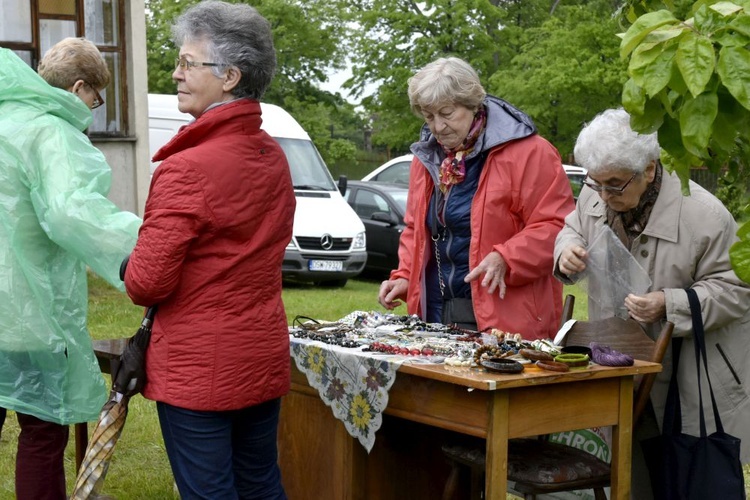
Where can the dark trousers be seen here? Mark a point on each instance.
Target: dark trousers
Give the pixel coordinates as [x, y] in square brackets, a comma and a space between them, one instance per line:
[40, 473]
[225, 455]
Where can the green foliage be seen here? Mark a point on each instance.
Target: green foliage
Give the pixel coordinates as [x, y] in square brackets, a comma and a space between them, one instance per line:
[689, 80]
[733, 190]
[396, 37]
[566, 71]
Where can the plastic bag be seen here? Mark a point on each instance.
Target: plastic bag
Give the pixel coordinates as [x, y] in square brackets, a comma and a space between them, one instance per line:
[611, 274]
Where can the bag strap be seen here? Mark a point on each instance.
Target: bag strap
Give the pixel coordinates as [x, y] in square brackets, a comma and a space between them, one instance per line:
[699, 342]
[672, 421]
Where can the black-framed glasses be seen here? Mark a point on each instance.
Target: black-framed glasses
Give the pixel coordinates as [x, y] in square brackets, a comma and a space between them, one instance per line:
[617, 191]
[185, 65]
[98, 99]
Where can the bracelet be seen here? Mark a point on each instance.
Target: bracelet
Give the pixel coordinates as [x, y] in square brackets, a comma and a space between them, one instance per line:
[573, 360]
[502, 365]
[553, 366]
[536, 355]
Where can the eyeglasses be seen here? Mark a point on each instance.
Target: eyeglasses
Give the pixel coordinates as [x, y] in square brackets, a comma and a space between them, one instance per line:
[617, 191]
[98, 99]
[185, 65]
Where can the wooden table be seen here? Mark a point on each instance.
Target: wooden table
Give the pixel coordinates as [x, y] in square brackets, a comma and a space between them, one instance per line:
[319, 459]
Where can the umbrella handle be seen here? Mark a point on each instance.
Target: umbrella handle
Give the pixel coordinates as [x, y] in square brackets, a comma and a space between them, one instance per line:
[148, 317]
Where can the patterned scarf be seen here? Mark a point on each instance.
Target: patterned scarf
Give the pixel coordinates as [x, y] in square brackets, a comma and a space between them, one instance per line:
[628, 225]
[453, 167]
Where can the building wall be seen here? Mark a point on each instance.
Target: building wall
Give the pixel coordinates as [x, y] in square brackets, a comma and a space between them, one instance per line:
[129, 156]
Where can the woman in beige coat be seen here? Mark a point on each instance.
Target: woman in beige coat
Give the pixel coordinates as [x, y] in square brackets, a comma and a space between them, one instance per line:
[682, 242]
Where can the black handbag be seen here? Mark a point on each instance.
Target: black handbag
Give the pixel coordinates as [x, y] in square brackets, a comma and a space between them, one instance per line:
[682, 466]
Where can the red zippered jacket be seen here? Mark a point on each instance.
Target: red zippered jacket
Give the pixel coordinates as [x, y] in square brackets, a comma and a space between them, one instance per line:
[218, 218]
[519, 207]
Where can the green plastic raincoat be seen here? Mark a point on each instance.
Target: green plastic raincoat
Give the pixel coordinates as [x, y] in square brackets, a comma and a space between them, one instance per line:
[55, 220]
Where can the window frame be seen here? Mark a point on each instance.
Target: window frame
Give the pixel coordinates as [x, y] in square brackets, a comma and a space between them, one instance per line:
[120, 48]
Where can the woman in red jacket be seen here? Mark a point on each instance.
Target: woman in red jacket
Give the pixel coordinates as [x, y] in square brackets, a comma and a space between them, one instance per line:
[487, 197]
[218, 218]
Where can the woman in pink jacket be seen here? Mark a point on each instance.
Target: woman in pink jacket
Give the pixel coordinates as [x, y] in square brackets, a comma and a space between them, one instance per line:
[218, 218]
[487, 197]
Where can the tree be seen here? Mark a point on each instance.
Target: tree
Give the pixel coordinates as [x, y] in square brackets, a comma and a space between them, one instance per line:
[690, 82]
[394, 38]
[566, 71]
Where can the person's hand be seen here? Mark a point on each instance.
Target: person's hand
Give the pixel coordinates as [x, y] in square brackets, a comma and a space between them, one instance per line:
[648, 308]
[493, 267]
[572, 260]
[391, 291]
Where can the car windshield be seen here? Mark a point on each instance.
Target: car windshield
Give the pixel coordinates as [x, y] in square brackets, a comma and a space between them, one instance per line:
[307, 167]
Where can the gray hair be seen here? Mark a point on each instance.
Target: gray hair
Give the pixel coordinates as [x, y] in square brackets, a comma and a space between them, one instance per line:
[235, 35]
[448, 80]
[608, 142]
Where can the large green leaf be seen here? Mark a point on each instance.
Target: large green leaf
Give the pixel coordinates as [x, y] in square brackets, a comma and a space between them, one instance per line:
[696, 122]
[725, 8]
[650, 120]
[642, 57]
[642, 27]
[734, 70]
[741, 24]
[670, 137]
[696, 60]
[664, 34]
[633, 97]
[658, 73]
[739, 254]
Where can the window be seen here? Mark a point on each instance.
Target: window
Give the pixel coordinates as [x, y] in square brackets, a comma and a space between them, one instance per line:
[31, 27]
[368, 203]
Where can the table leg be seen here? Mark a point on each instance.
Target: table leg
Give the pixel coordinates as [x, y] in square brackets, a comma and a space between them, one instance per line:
[496, 465]
[622, 436]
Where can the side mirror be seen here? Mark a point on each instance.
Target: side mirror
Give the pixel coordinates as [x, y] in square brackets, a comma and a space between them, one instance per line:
[342, 184]
[387, 217]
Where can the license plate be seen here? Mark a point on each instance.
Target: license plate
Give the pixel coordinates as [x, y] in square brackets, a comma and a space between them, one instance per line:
[326, 265]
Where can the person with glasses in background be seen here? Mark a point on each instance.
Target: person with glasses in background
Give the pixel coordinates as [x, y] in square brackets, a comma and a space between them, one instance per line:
[55, 220]
[218, 218]
[682, 241]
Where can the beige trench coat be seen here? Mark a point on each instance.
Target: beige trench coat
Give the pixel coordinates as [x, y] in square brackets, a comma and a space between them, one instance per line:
[685, 244]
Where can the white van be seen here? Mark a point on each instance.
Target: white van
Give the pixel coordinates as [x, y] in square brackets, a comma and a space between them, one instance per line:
[328, 244]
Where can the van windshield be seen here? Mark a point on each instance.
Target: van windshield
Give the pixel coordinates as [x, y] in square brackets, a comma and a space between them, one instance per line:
[307, 167]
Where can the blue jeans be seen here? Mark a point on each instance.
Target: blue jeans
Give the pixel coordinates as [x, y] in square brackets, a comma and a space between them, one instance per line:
[225, 455]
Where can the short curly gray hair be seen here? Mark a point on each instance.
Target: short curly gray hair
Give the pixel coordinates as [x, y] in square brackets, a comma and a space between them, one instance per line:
[448, 80]
[608, 142]
[235, 35]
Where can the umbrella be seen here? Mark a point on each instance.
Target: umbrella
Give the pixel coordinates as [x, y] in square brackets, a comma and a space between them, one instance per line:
[128, 379]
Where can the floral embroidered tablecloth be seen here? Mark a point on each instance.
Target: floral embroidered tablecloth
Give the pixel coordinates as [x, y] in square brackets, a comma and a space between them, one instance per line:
[352, 383]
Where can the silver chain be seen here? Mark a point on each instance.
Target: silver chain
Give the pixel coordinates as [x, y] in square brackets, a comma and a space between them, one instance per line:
[437, 261]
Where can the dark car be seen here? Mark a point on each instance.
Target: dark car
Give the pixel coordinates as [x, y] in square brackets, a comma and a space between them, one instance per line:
[381, 206]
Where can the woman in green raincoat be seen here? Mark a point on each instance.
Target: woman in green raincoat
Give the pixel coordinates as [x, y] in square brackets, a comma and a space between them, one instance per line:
[55, 220]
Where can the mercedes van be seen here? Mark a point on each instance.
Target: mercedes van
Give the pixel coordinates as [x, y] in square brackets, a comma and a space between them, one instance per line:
[328, 243]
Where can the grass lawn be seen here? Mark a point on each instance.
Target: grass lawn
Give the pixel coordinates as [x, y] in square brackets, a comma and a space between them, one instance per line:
[140, 469]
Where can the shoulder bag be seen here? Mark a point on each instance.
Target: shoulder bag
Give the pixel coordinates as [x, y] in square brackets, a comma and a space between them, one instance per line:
[693, 467]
